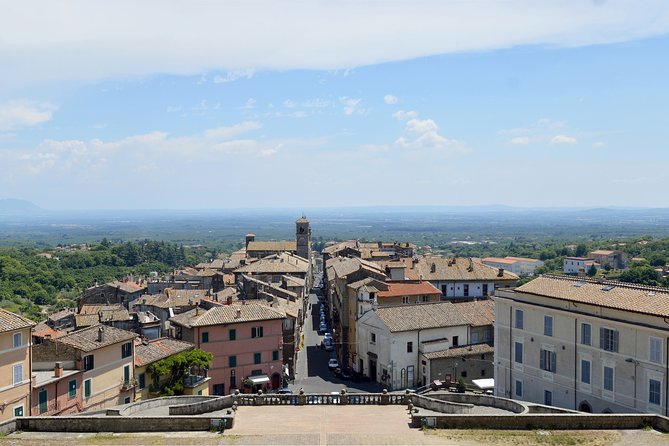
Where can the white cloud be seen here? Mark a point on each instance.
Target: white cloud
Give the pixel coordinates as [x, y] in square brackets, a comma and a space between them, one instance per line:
[404, 115]
[422, 134]
[189, 38]
[24, 113]
[390, 99]
[599, 145]
[232, 76]
[563, 139]
[519, 140]
[270, 151]
[352, 106]
[234, 130]
[250, 104]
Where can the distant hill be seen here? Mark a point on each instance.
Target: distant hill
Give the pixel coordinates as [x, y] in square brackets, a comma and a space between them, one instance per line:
[15, 205]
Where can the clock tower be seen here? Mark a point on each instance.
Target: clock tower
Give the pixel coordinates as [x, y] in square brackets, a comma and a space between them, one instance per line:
[303, 238]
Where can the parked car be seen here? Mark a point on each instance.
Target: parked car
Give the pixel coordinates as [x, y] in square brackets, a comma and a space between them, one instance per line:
[284, 391]
[328, 335]
[333, 363]
[323, 327]
[329, 344]
[345, 373]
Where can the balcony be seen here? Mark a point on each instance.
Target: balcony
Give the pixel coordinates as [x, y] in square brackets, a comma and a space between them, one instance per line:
[128, 384]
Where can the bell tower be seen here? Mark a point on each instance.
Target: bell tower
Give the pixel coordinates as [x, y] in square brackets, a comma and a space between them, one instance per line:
[303, 237]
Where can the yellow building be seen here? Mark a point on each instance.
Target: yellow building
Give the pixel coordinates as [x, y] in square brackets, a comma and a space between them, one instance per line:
[106, 357]
[15, 363]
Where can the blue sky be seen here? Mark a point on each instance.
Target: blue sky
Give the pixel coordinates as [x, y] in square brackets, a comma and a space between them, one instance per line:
[419, 103]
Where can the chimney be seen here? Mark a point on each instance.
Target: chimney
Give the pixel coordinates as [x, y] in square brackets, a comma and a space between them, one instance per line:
[433, 268]
[101, 334]
[58, 370]
[229, 300]
[500, 272]
[239, 313]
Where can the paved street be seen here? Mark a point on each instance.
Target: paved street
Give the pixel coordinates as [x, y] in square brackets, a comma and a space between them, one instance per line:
[312, 373]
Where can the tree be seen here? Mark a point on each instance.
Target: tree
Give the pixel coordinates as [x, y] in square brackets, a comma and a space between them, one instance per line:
[175, 369]
[644, 275]
[592, 271]
[581, 250]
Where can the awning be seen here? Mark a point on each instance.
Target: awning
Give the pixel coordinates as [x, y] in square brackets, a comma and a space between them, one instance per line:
[484, 384]
[259, 379]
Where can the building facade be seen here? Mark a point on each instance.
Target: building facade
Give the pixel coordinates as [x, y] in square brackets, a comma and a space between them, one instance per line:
[583, 344]
[15, 365]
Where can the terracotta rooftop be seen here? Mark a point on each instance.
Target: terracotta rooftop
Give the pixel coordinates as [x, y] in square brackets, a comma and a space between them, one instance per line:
[158, 349]
[227, 314]
[458, 352]
[273, 265]
[421, 316]
[477, 312]
[601, 252]
[284, 245]
[10, 321]
[609, 294]
[87, 339]
[459, 269]
[408, 288]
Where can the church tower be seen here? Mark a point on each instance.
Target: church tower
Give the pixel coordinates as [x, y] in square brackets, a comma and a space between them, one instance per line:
[303, 238]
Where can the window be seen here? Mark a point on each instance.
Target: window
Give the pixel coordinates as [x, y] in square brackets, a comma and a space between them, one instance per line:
[455, 341]
[608, 378]
[519, 352]
[87, 388]
[426, 298]
[18, 373]
[126, 375]
[519, 388]
[256, 332]
[126, 350]
[17, 340]
[443, 289]
[548, 325]
[18, 411]
[485, 289]
[43, 401]
[475, 338]
[654, 391]
[586, 334]
[585, 371]
[547, 360]
[142, 380]
[71, 389]
[548, 398]
[232, 334]
[465, 290]
[205, 337]
[519, 320]
[257, 358]
[655, 350]
[409, 347]
[219, 389]
[372, 338]
[89, 362]
[233, 379]
[463, 373]
[232, 361]
[275, 355]
[608, 339]
[405, 299]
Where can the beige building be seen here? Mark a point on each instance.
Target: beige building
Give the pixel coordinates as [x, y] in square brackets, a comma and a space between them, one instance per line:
[15, 365]
[583, 344]
[104, 354]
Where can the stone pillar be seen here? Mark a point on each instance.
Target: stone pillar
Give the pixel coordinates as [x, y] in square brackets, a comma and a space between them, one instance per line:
[301, 397]
[343, 397]
[258, 399]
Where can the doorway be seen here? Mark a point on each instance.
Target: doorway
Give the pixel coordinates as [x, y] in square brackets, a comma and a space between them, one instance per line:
[372, 369]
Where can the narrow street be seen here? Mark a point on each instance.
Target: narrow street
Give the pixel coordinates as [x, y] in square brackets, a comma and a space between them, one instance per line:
[312, 373]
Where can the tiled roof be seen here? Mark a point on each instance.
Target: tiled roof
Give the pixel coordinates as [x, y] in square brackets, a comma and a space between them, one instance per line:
[601, 252]
[459, 269]
[61, 314]
[608, 294]
[499, 260]
[106, 313]
[272, 265]
[227, 314]
[158, 349]
[421, 316]
[349, 266]
[284, 245]
[458, 352]
[86, 320]
[407, 288]
[522, 259]
[478, 313]
[86, 339]
[410, 272]
[10, 321]
[128, 287]
[172, 298]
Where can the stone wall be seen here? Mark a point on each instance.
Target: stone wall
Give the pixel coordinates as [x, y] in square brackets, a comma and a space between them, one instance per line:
[440, 405]
[543, 421]
[120, 424]
[8, 426]
[482, 400]
[162, 402]
[200, 407]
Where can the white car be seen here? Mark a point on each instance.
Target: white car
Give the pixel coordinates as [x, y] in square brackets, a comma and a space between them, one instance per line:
[329, 344]
[333, 363]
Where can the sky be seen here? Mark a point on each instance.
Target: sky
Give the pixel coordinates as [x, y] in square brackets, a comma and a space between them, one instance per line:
[251, 104]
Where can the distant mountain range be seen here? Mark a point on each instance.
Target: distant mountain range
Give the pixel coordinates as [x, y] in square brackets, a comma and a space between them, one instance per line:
[15, 205]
